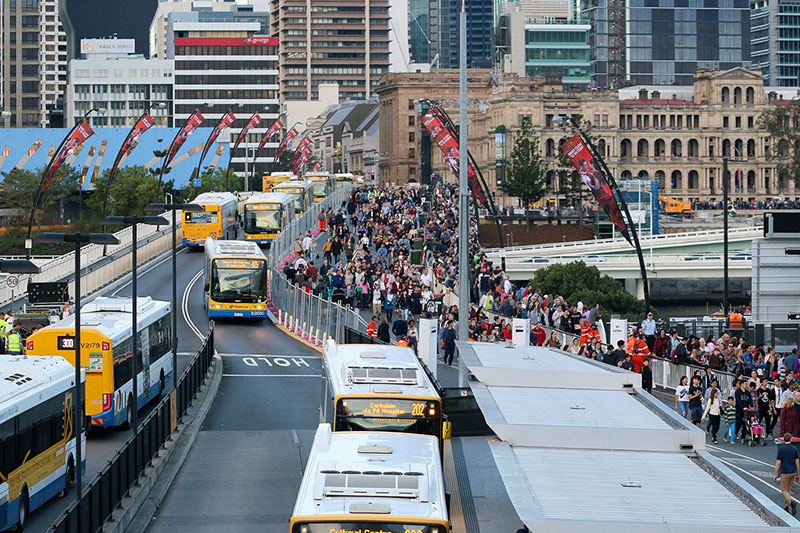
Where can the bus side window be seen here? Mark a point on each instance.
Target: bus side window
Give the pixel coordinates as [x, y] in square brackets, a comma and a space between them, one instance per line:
[8, 446]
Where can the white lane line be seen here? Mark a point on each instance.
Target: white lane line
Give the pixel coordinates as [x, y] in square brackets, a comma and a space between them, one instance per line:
[275, 376]
[185, 306]
[269, 355]
[739, 455]
[771, 486]
[141, 273]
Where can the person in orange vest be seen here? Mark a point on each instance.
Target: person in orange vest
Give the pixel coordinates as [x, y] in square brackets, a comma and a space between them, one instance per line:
[372, 328]
[586, 332]
[736, 320]
[403, 342]
[640, 352]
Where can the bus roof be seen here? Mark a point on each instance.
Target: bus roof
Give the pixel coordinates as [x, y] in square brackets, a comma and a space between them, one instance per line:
[409, 467]
[312, 175]
[111, 316]
[233, 249]
[283, 174]
[349, 365]
[269, 197]
[214, 198]
[306, 184]
[24, 380]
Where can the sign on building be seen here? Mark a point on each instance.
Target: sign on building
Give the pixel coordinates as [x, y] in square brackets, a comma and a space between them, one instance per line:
[108, 46]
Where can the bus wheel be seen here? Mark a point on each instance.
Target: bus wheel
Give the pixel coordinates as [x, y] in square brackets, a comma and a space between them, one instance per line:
[70, 477]
[23, 509]
[129, 422]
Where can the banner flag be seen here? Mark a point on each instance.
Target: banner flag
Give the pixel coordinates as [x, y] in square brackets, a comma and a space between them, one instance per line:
[191, 125]
[254, 121]
[223, 124]
[145, 123]
[273, 130]
[594, 178]
[304, 143]
[290, 135]
[75, 139]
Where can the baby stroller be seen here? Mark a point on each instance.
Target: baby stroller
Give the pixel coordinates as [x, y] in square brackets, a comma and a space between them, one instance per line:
[755, 431]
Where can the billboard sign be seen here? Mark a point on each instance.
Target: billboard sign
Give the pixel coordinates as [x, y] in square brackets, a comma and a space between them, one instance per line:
[108, 46]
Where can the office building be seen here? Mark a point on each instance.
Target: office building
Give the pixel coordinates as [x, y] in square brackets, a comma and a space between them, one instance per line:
[552, 47]
[124, 84]
[92, 19]
[33, 62]
[641, 42]
[320, 42]
[775, 41]
[480, 25]
[227, 66]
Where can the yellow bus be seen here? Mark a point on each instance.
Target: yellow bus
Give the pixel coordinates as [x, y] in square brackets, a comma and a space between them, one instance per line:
[218, 221]
[370, 387]
[268, 182]
[346, 177]
[37, 443]
[302, 193]
[107, 354]
[323, 184]
[235, 280]
[265, 216]
[371, 482]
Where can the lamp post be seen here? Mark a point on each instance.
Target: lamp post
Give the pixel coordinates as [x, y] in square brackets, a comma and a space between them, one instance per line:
[77, 402]
[134, 221]
[17, 266]
[725, 187]
[172, 206]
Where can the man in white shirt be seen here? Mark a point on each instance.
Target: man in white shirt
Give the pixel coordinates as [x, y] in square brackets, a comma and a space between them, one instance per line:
[425, 279]
[307, 243]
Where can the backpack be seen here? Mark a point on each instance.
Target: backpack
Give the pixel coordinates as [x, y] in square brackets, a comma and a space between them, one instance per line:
[674, 356]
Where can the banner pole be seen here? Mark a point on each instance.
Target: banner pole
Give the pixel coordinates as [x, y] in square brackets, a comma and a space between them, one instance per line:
[623, 204]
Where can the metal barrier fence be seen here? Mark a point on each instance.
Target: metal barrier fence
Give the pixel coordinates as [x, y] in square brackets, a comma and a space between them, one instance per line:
[783, 336]
[104, 493]
[95, 272]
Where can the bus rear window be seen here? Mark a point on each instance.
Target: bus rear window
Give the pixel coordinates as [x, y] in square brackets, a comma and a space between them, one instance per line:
[203, 217]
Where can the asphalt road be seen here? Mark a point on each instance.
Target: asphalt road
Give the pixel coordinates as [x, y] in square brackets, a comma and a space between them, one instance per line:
[153, 280]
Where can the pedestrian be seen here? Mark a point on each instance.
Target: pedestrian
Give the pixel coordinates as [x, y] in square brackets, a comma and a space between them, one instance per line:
[647, 376]
[15, 342]
[696, 401]
[766, 404]
[789, 420]
[729, 413]
[383, 330]
[372, 328]
[787, 465]
[713, 410]
[449, 343]
[649, 329]
[743, 401]
[682, 397]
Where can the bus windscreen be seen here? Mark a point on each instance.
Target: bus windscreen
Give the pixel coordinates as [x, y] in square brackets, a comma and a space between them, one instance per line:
[263, 218]
[239, 280]
[363, 527]
[321, 188]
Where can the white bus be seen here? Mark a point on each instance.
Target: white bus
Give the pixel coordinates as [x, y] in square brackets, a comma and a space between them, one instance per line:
[218, 220]
[377, 482]
[235, 280]
[370, 387]
[107, 356]
[37, 443]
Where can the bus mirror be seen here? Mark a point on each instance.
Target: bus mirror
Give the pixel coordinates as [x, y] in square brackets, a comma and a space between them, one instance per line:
[447, 430]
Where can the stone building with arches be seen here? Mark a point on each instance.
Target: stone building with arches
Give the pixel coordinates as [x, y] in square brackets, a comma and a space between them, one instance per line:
[674, 134]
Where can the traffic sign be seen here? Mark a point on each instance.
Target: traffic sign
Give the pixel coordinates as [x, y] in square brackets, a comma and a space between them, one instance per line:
[197, 182]
[12, 282]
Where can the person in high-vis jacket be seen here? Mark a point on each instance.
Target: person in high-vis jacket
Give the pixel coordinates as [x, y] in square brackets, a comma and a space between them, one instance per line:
[15, 342]
[3, 333]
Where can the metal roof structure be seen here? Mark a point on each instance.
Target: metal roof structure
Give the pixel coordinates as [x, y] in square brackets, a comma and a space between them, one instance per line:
[584, 448]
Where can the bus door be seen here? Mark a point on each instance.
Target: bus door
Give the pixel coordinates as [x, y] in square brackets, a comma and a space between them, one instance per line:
[145, 345]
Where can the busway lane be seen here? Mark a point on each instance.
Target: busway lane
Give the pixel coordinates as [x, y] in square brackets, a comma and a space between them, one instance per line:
[245, 467]
[154, 279]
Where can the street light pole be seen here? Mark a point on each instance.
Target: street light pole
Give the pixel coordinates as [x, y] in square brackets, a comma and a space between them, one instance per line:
[77, 401]
[463, 199]
[725, 180]
[172, 206]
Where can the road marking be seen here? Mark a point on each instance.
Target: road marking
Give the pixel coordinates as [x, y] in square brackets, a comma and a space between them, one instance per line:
[275, 361]
[185, 305]
[295, 438]
[229, 354]
[145, 271]
[739, 455]
[273, 376]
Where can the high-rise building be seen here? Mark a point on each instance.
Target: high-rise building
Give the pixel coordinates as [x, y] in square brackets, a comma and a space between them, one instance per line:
[94, 19]
[33, 61]
[550, 47]
[775, 41]
[647, 42]
[346, 42]
[480, 25]
[227, 66]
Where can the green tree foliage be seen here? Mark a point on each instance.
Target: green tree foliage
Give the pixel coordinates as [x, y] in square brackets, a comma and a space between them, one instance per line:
[19, 188]
[578, 281]
[133, 188]
[285, 161]
[783, 124]
[525, 176]
[215, 181]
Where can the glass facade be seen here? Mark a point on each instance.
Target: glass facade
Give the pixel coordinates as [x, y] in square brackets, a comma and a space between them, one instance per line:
[775, 41]
[419, 30]
[558, 50]
[662, 42]
[480, 20]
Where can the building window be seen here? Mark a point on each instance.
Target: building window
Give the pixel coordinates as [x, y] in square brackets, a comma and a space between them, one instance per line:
[726, 122]
[411, 105]
[411, 136]
[750, 122]
[410, 120]
[738, 122]
[605, 120]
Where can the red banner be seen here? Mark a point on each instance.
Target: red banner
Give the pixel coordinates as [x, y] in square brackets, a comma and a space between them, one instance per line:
[449, 146]
[273, 130]
[595, 180]
[192, 124]
[224, 123]
[145, 123]
[301, 148]
[317, 166]
[255, 120]
[301, 161]
[75, 139]
[290, 135]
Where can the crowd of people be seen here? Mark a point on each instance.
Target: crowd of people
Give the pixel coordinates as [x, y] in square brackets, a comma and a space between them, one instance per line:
[740, 203]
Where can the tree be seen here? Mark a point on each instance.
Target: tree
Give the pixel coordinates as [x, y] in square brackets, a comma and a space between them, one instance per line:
[285, 161]
[578, 281]
[783, 124]
[525, 178]
[133, 188]
[19, 190]
[215, 181]
[570, 182]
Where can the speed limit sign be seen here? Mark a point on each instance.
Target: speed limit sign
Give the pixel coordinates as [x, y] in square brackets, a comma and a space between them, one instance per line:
[12, 282]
